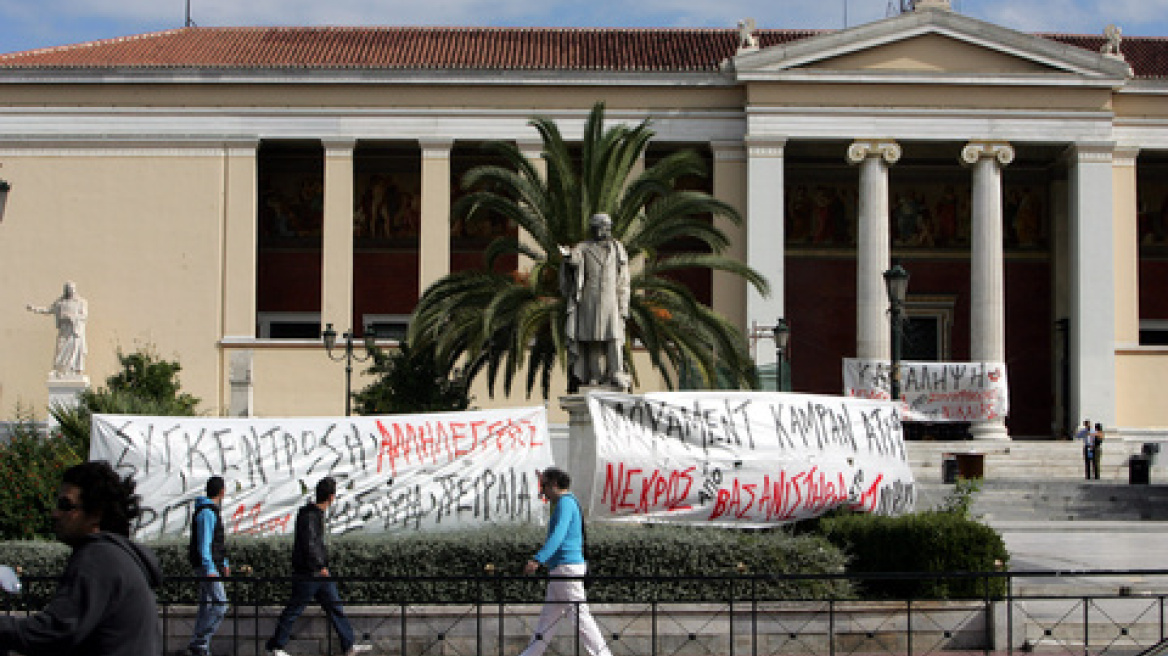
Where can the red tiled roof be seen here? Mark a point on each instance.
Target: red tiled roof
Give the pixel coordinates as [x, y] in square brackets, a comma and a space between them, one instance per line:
[1147, 55]
[405, 48]
[459, 48]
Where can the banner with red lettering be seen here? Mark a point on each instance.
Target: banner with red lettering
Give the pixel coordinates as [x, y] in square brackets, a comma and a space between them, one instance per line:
[745, 458]
[935, 391]
[394, 473]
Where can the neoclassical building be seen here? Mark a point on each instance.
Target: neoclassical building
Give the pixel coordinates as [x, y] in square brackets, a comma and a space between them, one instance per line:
[220, 194]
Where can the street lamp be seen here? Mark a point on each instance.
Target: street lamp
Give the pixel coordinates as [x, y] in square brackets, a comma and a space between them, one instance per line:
[896, 282]
[330, 341]
[5, 187]
[782, 338]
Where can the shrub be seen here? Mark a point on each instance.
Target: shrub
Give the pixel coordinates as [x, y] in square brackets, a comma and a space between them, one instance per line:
[926, 542]
[146, 385]
[409, 381]
[31, 465]
[486, 565]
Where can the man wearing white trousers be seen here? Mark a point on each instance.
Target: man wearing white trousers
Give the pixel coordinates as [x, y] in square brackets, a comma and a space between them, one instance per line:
[563, 555]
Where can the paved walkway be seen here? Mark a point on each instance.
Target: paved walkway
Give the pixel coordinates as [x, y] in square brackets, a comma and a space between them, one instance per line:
[1077, 546]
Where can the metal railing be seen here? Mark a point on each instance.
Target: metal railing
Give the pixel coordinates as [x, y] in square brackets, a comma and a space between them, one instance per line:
[1082, 613]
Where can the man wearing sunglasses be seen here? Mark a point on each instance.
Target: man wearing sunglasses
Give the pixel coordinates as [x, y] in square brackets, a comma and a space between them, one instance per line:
[104, 604]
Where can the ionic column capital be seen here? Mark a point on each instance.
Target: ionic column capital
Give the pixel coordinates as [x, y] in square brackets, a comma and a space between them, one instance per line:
[862, 149]
[978, 150]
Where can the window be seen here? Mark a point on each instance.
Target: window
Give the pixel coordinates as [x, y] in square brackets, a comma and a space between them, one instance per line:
[289, 325]
[386, 326]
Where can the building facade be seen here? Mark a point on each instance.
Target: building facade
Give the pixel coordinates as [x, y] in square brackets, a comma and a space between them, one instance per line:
[220, 194]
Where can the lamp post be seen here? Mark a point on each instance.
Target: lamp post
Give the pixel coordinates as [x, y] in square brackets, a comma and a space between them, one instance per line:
[896, 282]
[5, 187]
[782, 338]
[330, 341]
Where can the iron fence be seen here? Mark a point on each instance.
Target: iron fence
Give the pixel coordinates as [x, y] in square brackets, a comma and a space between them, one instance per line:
[1080, 613]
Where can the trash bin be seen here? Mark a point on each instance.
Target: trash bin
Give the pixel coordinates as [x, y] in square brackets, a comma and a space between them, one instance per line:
[948, 468]
[970, 465]
[1139, 470]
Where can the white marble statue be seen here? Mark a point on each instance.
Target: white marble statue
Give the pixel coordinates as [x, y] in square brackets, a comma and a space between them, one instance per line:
[1113, 38]
[746, 38]
[594, 279]
[71, 312]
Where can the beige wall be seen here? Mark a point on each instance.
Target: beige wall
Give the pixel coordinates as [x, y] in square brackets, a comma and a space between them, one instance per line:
[145, 251]
[932, 53]
[1140, 379]
[418, 96]
[920, 95]
[300, 381]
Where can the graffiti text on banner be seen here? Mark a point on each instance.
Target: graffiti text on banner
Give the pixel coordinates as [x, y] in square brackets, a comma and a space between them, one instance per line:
[746, 458]
[395, 473]
[935, 391]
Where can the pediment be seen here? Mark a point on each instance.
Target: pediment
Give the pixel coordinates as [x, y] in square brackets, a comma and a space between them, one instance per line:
[931, 44]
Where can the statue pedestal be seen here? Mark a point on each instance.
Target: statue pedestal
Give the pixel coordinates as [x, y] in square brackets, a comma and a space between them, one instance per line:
[65, 392]
[581, 465]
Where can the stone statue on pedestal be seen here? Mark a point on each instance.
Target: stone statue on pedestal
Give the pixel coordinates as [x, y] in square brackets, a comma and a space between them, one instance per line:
[594, 280]
[71, 311]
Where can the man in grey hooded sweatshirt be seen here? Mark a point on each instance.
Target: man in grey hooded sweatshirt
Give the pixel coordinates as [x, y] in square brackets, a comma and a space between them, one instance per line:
[104, 604]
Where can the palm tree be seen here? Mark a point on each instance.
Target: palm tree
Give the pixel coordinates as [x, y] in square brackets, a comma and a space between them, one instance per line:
[500, 320]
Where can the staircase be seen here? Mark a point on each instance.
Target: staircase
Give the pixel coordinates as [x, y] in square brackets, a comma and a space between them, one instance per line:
[1043, 481]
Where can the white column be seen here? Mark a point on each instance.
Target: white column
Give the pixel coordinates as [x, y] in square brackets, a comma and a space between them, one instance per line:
[532, 150]
[434, 233]
[1092, 284]
[336, 304]
[987, 332]
[764, 231]
[240, 235]
[873, 338]
[729, 291]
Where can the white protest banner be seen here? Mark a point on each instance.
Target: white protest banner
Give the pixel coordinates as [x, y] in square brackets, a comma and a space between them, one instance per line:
[745, 458]
[394, 472]
[935, 391]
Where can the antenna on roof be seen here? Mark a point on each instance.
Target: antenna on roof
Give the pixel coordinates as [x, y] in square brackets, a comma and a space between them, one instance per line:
[189, 23]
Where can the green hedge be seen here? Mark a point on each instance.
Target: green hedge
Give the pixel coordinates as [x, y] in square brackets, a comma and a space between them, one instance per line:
[622, 552]
[925, 542]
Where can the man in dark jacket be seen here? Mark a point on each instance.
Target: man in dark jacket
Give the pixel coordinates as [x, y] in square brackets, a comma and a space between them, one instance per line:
[104, 604]
[207, 554]
[311, 571]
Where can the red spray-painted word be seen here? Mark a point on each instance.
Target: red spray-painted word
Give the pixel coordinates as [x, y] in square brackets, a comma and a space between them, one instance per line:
[246, 521]
[437, 441]
[645, 491]
[786, 497]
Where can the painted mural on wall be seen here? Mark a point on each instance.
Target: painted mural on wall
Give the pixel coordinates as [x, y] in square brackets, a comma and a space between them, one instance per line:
[1152, 204]
[925, 212]
[291, 200]
[387, 206]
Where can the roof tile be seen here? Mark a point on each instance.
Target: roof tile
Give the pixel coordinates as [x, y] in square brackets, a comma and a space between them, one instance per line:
[459, 48]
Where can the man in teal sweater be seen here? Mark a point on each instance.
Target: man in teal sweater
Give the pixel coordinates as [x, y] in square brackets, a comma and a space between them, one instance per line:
[563, 555]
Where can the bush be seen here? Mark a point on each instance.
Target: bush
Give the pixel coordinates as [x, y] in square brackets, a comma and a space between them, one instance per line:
[146, 385]
[410, 381]
[486, 565]
[926, 542]
[31, 465]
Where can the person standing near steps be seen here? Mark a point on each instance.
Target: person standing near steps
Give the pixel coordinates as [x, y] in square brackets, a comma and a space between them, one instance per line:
[563, 554]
